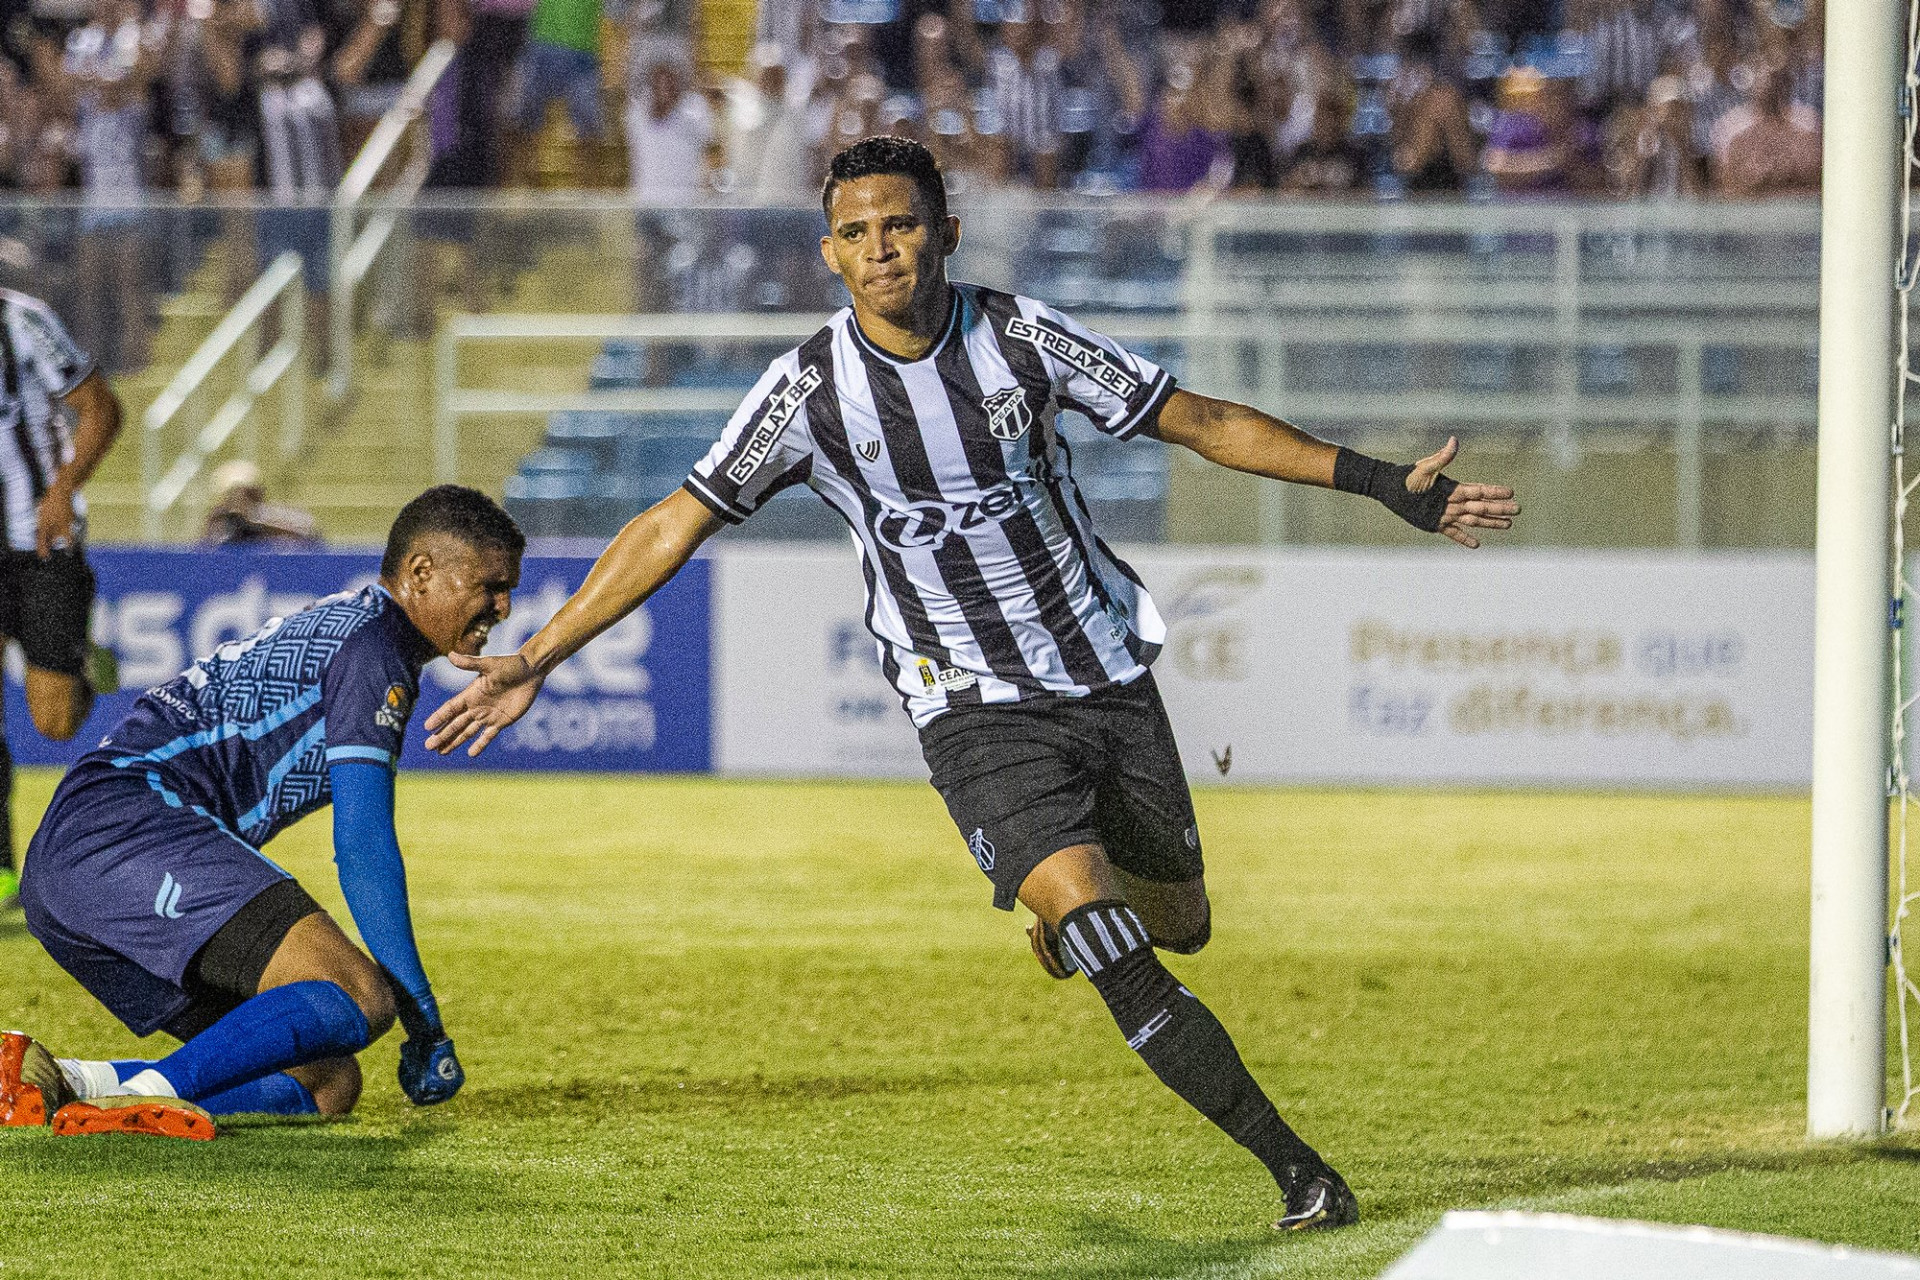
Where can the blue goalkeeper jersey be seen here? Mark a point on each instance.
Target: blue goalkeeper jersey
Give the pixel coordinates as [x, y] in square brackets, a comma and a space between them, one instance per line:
[247, 734]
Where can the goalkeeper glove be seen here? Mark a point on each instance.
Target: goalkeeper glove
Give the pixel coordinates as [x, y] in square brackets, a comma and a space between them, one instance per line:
[430, 1071]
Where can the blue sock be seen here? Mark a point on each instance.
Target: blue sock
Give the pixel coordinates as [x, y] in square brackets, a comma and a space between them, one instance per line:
[278, 1095]
[279, 1028]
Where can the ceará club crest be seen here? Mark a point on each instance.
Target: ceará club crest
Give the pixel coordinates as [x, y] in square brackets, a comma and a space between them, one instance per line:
[1007, 414]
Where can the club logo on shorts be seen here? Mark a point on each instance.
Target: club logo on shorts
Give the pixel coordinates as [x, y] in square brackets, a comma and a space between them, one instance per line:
[394, 708]
[869, 450]
[1193, 838]
[1007, 414]
[166, 903]
[982, 849]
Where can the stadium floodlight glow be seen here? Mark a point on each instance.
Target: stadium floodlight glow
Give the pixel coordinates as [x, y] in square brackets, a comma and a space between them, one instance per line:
[1863, 150]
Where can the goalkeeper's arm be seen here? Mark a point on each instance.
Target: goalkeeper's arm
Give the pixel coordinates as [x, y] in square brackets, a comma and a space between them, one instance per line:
[373, 879]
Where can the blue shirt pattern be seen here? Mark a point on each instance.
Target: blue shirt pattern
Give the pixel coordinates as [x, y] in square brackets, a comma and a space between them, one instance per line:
[247, 734]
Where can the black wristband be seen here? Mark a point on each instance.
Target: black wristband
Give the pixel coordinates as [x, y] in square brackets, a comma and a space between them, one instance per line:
[1386, 483]
[413, 1019]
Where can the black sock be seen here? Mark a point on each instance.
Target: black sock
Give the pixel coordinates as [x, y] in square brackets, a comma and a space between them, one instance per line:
[1179, 1038]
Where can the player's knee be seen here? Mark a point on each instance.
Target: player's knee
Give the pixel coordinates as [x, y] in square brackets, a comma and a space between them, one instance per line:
[1191, 940]
[335, 1084]
[1188, 945]
[59, 717]
[368, 989]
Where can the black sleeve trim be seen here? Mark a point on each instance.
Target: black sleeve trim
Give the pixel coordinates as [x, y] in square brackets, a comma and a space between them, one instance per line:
[1148, 413]
[695, 486]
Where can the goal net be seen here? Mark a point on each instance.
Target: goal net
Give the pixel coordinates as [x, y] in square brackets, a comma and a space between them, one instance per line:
[1906, 478]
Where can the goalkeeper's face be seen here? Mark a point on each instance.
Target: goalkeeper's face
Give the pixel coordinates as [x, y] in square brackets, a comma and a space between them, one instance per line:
[455, 592]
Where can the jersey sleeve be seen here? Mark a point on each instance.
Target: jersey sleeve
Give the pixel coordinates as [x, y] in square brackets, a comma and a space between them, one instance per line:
[367, 694]
[50, 353]
[1120, 391]
[765, 447]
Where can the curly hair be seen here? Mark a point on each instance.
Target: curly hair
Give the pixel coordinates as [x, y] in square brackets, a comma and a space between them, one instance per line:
[466, 514]
[885, 154]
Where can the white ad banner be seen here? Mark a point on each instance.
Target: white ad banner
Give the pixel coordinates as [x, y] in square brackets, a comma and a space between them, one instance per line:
[1347, 666]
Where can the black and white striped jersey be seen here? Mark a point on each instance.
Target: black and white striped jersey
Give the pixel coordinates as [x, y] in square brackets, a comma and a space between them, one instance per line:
[985, 580]
[39, 364]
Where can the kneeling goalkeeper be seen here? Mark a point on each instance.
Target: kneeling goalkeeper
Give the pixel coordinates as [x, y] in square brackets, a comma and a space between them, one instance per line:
[147, 883]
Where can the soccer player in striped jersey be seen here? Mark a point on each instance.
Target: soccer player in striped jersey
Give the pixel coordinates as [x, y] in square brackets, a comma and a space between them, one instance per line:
[1018, 642]
[58, 418]
[147, 883]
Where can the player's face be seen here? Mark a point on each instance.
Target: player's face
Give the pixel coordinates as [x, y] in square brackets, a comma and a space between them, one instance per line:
[455, 593]
[884, 244]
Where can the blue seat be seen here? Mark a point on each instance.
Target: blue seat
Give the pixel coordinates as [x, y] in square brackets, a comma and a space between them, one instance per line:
[1606, 371]
[549, 504]
[621, 367]
[592, 432]
[665, 454]
[1485, 368]
[559, 461]
[1720, 371]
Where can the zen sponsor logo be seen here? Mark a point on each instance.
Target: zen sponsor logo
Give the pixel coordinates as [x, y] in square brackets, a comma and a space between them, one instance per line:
[925, 526]
[1084, 356]
[1007, 414]
[774, 420]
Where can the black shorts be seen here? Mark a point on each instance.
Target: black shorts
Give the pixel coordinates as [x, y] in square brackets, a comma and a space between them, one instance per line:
[46, 605]
[1024, 780]
[227, 971]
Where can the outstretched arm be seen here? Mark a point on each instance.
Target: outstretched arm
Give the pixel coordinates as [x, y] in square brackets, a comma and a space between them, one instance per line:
[637, 563]
[1245, 439]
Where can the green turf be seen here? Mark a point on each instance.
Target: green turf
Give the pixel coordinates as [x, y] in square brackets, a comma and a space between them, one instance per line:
[718, 1029]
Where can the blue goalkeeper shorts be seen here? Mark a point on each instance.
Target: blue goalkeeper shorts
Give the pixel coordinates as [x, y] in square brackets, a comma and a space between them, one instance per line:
[125, 883]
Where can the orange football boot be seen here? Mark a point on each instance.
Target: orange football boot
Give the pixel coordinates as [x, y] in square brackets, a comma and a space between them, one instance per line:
[31, 1086]
[153, 1117]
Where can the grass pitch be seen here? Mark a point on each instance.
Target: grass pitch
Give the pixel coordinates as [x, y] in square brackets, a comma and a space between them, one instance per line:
[720, 1029]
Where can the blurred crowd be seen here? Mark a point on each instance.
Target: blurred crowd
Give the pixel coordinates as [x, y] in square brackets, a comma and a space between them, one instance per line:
[1383, 98]
[113, 101]
[1324, 97]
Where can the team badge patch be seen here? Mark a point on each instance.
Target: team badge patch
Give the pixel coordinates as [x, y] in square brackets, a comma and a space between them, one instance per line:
[982, 849]
[869, 450]
[394, 708]
[1007, 414]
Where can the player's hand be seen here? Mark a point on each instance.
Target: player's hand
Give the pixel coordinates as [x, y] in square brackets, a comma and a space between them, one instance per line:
[1469, 506]
[56, 520]
[506, 688]
[430, 1073]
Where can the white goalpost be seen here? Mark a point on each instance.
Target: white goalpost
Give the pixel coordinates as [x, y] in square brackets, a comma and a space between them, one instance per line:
[1857, 574]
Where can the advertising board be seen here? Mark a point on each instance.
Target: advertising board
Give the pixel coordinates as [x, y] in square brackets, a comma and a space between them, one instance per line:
[637, 697]
[1350, 666]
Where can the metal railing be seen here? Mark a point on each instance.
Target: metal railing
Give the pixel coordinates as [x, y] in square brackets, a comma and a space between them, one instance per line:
[352, 253]
[1253, 365]
[283, 365]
